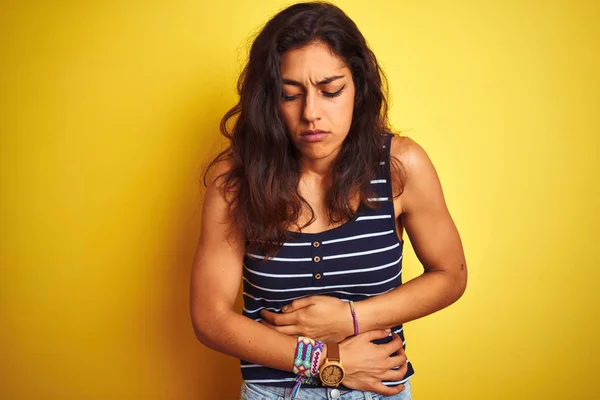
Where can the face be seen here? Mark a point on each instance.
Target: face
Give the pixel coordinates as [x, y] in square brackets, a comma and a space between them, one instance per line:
[317, 101]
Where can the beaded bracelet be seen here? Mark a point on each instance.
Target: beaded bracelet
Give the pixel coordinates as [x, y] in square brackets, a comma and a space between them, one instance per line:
[353, 311]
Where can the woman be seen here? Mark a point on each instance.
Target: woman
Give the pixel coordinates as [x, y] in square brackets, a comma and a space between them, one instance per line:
[308, 207]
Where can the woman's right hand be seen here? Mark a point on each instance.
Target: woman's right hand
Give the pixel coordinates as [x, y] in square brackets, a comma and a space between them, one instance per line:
[367, 364]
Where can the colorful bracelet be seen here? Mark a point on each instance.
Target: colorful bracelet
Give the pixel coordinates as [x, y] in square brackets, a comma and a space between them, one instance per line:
[316, 357]
[306, 362]
[353, 311]
[302, 359]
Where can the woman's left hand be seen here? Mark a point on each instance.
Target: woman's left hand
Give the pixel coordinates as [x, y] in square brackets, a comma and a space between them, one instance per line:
[322, 318]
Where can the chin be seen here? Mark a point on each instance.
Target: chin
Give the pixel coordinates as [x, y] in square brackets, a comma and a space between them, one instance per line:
[318, 150]
[317, 153]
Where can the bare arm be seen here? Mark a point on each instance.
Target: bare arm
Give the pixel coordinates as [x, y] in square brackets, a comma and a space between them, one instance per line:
[437, 244]
[216, 278]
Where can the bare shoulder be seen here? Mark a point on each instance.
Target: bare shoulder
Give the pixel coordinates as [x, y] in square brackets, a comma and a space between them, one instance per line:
[219, 197]
[421, 185]
[411, 155]
[216, 179]
[217, 171]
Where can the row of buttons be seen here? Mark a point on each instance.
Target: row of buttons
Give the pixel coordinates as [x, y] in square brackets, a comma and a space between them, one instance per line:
[317, 259]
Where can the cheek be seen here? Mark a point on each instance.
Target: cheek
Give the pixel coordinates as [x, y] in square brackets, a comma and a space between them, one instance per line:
[286, 115]
[344, 113]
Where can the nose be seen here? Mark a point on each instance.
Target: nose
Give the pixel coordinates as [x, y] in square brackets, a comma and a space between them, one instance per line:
[311, 111]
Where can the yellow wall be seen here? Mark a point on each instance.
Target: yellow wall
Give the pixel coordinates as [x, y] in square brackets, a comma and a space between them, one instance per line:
[109, 110]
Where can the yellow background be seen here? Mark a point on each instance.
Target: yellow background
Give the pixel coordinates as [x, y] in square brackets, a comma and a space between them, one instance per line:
[109, 110]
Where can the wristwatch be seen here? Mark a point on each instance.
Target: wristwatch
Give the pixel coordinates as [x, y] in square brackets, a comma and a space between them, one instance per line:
[332, 372]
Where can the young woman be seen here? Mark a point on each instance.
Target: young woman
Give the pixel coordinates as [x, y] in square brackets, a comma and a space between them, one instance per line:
[308, 207]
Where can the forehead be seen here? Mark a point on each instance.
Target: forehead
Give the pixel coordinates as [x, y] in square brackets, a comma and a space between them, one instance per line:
[315, 59]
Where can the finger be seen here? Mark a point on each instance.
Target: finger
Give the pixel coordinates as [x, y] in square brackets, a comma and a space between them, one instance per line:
[278, 319]
[298, 304]
[268, 325]
[387, 390]
[401, 370]
[393, 376]
[374, 335]
[401, 350]
[394, 345]
[396, 361]
[267, 316]
[290, 330]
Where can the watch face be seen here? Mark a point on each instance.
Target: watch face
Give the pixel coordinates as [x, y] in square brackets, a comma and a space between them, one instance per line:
[332, 375]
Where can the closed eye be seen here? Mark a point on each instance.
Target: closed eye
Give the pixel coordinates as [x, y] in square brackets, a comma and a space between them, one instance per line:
[326, 94]
[290, 98]
[334, 94]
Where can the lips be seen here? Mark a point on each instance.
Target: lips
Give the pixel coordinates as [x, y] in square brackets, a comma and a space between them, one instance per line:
[315, 135]
[312, 132]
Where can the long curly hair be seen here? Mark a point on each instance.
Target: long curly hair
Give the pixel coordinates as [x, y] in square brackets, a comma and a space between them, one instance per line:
[261, 186]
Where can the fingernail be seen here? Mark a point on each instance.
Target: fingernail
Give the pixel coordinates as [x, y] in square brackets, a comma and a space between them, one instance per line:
[285, 308]
[388, 330]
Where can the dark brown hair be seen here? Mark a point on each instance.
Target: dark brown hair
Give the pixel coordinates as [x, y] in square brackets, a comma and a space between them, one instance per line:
[262, 184]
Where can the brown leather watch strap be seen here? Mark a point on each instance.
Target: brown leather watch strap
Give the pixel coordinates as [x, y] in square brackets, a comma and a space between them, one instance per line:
[333, 351]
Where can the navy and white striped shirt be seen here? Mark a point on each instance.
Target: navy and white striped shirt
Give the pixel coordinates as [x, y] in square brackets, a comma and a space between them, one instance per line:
[354, 261]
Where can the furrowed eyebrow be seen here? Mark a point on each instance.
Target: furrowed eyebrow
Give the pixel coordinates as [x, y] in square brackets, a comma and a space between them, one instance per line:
[329, 79]
[321, 82]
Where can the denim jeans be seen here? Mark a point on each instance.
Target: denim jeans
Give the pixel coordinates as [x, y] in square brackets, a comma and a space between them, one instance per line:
[251, 391]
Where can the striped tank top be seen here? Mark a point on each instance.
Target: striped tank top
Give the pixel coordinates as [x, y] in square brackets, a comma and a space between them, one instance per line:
[354, 261]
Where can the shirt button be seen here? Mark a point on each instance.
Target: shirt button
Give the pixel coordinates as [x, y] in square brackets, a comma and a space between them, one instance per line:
[335, 393]
[316, 258]
[316, 244]
[317, 276]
